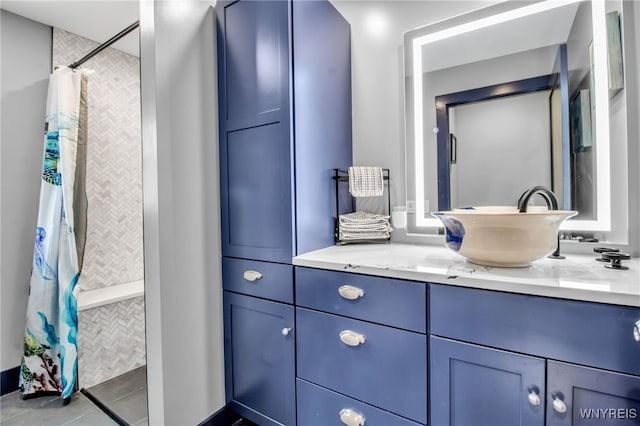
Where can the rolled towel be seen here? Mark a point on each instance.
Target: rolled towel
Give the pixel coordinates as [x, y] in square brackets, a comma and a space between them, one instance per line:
[366, 181]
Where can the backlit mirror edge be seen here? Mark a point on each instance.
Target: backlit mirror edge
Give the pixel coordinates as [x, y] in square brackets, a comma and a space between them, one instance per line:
[603, 223]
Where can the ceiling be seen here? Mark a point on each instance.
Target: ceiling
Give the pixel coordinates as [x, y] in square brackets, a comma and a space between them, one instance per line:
[97, 20]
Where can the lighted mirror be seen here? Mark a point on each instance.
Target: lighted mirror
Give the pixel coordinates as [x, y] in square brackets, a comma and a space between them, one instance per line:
[516, 95]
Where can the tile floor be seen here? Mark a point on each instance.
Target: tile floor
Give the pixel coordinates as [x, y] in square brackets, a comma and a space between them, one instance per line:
[48, 410]
[125, 395]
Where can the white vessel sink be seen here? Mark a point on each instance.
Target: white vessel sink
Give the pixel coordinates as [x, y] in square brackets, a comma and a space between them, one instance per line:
[501, 235]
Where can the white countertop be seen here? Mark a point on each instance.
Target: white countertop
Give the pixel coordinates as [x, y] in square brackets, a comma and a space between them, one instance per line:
[578, 277]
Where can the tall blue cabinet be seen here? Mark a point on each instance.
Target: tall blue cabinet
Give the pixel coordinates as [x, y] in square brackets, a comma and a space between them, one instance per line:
[284, 87]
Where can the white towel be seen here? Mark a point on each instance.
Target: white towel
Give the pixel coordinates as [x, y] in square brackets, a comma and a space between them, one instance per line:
[366, 181]
[363, 225]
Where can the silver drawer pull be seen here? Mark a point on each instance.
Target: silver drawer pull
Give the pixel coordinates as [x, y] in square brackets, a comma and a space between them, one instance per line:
[351, 418]
[286, 331]
[534, 398]
[351, 338]
[252, 275]
[636, 331]
[350, 292]
[559, 405]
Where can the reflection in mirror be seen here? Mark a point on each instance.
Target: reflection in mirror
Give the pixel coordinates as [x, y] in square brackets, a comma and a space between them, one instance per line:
[478, 143]
[513, 96]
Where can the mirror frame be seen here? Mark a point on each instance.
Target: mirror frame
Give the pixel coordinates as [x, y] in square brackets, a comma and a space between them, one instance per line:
[507, 12]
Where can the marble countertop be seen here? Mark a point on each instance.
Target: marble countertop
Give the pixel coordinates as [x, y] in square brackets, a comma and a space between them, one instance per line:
[578, 277]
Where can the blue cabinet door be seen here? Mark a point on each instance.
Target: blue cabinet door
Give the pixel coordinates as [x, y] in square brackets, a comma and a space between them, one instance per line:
[256, 194]
[256, 177]
[280, 63]
[253, 62]
[479, 386]
[259, 359]
[581, 396]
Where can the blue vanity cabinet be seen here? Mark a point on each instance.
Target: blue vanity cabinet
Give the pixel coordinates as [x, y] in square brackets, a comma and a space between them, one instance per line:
[582, 396]
[361, 346]
[498, 357]
[476, 385]
[259, 346]
[284, 83]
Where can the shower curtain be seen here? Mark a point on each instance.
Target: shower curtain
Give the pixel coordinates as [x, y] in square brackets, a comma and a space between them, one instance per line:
[49, 362]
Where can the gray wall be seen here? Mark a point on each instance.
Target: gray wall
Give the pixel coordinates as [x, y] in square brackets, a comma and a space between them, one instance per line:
[505, 141]
[26, 64]
[181, 211]
[489, 72]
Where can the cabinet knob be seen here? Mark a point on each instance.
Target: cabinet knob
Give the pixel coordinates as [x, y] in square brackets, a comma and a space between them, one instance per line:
[286, 331]
[636, 331]
[558, 405]
[351, 338]
[252, 275]
[534, 397]
[350, 292]
[351, 418]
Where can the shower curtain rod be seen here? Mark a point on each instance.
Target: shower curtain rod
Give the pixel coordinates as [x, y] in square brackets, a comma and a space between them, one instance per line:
[104, 45]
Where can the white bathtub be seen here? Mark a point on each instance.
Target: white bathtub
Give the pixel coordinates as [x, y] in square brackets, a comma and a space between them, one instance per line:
[103, 296]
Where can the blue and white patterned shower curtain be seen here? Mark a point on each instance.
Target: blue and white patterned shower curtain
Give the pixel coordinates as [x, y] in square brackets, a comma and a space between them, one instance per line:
[49, 363]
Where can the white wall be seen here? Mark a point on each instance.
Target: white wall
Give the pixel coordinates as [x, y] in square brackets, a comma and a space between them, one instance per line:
[377, 29]
[26, 64]
[183, 288]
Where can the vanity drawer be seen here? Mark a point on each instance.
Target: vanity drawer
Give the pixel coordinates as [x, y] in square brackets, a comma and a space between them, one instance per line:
[586, 333]
[262, 279]
[387, 301]
[387, 368]
[318, 406]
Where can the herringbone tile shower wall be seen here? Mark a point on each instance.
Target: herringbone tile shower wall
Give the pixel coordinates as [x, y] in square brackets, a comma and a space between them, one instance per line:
[111, 337]
[110, 341]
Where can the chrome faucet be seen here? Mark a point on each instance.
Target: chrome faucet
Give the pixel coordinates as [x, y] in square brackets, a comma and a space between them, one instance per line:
[552, 204]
